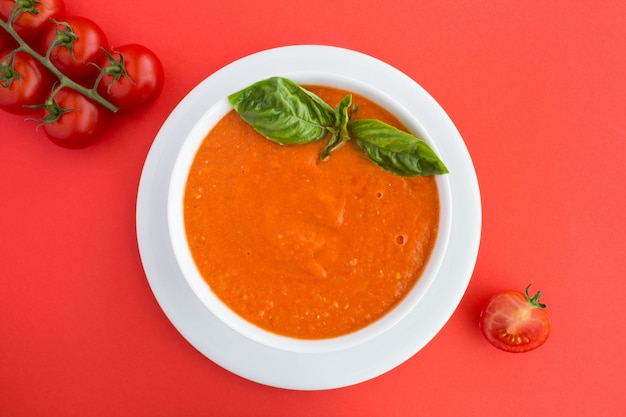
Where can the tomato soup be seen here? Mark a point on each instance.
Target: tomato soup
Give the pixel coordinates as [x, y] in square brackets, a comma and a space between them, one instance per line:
[301, 247]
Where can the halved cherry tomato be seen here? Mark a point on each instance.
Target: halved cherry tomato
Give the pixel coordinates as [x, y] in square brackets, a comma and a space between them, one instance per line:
[72, 120]
[35, 17]
[77, 44]
[23, 82]
[515, 322]
[133, 77]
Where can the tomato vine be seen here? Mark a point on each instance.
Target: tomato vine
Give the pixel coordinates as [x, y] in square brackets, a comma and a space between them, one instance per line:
[49, 60]
[64, 81]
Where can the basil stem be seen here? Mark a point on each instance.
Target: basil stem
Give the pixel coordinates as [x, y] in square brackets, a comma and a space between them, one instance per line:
[339, 132]
[284, 112]
[395, 150]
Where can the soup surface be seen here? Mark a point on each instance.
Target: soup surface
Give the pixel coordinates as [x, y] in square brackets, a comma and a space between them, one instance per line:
[301, 247]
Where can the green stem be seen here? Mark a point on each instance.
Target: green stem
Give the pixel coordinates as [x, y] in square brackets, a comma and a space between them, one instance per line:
[91, 93]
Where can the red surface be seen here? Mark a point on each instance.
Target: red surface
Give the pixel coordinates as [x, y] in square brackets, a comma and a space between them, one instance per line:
[538, 91]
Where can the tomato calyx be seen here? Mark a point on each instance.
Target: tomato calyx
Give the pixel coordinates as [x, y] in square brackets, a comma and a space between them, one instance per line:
[52, 108]
[54, 112]
[23, 6]
[65, 37]
[7, 71]
[534, 301]
[115, 69]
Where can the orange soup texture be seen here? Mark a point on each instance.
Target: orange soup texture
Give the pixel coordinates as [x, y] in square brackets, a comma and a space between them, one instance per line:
[301, 247]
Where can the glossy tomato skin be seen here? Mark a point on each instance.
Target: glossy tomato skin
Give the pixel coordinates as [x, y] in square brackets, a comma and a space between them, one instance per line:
[87, 49]
[30, 26]
[143, 80]
[81, 125]
[514, 322]
[7, 42]
[31, 88]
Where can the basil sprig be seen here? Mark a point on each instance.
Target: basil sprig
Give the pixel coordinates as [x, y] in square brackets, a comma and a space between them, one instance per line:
[286, 113]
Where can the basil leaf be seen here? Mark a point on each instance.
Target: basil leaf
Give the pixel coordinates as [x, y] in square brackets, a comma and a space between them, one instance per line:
[339, 132]
[395, 150]
[283, 112]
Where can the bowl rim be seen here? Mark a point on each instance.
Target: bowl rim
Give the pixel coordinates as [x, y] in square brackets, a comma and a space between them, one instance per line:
[202, 290]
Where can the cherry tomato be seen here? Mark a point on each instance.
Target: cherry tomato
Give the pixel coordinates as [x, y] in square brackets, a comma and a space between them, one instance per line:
[133, 77]
[23, 82]
[35, 17]
[73, 120]
[515, 322]
[6, 41]
[77, 43]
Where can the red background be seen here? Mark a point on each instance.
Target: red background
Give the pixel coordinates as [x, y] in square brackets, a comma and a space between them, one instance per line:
[537, 90]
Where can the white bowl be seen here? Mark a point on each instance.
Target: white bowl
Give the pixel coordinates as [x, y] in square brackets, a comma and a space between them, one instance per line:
[202, 290]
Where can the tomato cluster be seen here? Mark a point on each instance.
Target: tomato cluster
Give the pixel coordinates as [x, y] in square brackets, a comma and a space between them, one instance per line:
[61, 70]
